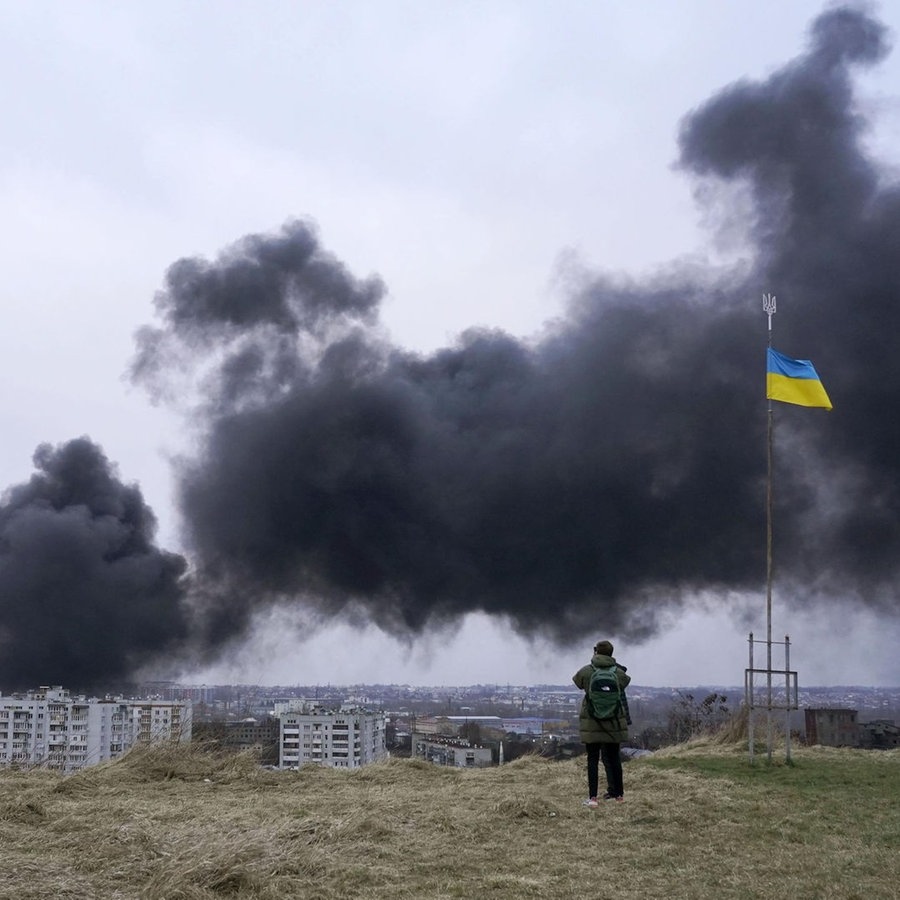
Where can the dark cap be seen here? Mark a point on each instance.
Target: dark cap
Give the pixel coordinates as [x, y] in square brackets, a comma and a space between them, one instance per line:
[604, 648]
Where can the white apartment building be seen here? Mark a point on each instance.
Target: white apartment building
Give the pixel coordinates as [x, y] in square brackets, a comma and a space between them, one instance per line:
[50, 728]
[342, 739]
[160, 720]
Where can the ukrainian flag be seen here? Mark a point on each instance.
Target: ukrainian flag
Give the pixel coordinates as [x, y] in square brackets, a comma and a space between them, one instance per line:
[793, 381]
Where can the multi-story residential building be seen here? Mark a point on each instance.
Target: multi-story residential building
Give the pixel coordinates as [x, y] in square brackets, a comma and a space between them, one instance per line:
[155, 720]
[109, 727]
[50, 728]
[259, 736]
[343, 738]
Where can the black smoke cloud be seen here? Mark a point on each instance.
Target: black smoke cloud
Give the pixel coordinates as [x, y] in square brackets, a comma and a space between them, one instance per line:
[593, 477]
[85, 595]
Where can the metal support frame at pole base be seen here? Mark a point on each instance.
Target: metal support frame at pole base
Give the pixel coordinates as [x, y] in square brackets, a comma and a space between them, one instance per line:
[790, 700]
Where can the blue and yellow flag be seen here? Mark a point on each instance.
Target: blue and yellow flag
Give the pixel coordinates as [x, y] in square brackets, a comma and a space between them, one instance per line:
[793, 381]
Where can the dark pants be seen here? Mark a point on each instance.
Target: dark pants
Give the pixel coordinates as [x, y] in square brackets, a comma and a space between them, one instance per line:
[612, 764]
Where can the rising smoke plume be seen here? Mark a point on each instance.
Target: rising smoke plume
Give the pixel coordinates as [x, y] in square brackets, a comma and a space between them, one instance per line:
[85, 595]
[600, 474]
[604, 472]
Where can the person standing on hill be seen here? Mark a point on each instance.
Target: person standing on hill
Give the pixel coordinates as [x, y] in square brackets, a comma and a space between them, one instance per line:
[603, 735]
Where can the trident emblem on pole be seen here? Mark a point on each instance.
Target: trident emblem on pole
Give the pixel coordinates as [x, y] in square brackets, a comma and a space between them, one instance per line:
[769, 307]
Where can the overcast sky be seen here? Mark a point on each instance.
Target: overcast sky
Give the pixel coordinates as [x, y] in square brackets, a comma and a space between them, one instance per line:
[473, 155]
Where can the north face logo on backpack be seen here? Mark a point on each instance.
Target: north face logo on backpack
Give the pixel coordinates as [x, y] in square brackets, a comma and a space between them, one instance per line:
[604, 697]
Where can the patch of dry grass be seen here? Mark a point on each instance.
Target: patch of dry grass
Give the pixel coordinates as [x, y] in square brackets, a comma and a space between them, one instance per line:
[698, 822]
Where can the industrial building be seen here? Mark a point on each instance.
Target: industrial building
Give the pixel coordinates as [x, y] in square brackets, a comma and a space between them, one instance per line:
[841, 728]
[447, 751]
[50, 728]
[832, 727]
[880, 734]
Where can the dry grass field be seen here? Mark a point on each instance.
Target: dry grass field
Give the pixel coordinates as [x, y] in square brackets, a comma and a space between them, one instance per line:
[698, 822]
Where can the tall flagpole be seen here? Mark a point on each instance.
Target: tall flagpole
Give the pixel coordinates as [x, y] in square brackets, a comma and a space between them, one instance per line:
[769, 309]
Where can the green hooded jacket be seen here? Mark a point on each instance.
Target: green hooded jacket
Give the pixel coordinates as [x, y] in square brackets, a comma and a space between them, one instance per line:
[615, 731]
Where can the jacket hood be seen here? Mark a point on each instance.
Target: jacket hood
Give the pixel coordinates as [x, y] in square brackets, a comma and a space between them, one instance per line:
[601, 659]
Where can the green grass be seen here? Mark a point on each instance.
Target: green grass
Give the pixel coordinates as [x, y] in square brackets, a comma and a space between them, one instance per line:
[698, 822]
[827, 824]
[860, 772]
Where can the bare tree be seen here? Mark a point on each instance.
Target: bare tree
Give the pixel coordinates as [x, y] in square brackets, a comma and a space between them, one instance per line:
[690, 717]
